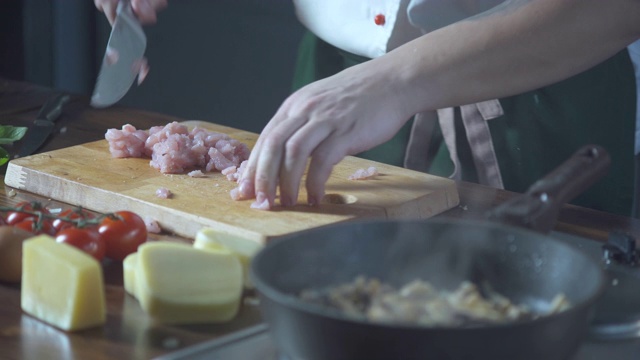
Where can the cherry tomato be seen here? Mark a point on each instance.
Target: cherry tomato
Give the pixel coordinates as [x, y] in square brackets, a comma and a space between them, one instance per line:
[85, 239]
[61, 222]
[14, 217]
[122, 233]
[31, 225]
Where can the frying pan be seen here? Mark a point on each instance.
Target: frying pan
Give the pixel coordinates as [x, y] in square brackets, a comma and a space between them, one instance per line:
[525, 265]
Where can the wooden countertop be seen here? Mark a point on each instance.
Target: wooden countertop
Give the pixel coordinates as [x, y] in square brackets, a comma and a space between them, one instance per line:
[128, 332]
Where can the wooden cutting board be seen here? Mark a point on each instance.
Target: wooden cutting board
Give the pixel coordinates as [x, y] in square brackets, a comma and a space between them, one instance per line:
[86, 175]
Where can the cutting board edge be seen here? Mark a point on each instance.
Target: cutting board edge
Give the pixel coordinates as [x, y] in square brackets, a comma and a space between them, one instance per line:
[91, 198]
[419, 207]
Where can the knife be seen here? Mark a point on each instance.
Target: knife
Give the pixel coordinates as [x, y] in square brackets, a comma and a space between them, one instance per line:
[122, 59]
[43, 125]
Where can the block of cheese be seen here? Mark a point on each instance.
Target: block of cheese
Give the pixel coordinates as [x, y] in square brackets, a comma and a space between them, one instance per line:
[61, 285]
[129, 266]
[244, 249]
[178, 284]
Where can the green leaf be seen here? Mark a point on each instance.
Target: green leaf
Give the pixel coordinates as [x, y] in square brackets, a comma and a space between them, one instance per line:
[9, 134]
[4, 156]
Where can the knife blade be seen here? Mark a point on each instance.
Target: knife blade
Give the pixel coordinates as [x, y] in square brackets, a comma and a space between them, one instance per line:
[122, 59]
[43, 125]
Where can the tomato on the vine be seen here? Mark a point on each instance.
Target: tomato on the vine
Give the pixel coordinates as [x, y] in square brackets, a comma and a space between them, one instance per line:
[18, 215]
[32, 225]
[123, 233]
[85, 239]
[63, 219]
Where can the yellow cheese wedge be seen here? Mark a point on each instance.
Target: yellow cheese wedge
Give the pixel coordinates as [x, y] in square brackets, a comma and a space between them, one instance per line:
[129, 267]
[244, 249]
[177, 284]
[61, 285]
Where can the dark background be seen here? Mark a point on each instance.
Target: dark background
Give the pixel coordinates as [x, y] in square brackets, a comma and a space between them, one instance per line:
[225, 61]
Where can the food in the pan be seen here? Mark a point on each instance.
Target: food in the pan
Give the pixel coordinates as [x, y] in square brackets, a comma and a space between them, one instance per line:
[175, 149]
[420, 303]
[62, 285]
[11, 239]
[243, 248]
[364, 174]
[176, 283]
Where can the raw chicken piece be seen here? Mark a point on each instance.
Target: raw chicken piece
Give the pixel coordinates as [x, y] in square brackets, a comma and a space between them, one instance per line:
[128, 142]
[152, 225]
[362, 174]
[164, 193]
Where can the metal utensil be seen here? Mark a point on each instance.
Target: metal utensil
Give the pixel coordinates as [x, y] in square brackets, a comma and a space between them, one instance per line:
[122, 59]
[43, 125]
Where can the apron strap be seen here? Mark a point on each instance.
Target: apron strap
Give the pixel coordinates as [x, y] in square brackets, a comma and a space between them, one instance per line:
[474, 118]
[415, 157]
[446, 118]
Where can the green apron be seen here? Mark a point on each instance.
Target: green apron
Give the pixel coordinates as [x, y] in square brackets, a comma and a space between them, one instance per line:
[538, 131]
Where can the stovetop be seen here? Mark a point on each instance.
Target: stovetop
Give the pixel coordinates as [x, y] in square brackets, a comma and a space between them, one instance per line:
[255, 343]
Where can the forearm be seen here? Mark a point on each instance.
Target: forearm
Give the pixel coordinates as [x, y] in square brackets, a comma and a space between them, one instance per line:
[518, 46]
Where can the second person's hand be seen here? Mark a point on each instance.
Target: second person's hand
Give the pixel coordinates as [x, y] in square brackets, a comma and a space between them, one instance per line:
[345, 114]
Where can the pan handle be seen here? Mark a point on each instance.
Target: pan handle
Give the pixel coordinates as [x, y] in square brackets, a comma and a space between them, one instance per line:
[538, 208]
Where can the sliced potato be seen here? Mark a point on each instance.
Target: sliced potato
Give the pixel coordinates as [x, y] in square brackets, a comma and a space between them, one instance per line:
[211, 239]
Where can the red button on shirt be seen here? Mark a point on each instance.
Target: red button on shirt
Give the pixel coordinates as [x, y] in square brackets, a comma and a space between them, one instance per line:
[379, 19]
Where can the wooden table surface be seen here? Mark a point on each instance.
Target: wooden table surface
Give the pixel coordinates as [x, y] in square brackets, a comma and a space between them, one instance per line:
[128, 332]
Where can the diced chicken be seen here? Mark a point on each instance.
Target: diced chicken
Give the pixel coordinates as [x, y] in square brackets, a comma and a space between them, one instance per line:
[164, 193]
[363, 174]
[152, 225]
[196, 174]
[128, 142]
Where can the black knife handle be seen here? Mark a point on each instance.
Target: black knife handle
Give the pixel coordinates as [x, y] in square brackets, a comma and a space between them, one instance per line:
[53, 108]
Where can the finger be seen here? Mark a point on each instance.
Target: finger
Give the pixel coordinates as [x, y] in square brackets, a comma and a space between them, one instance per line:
[270, 156]
[326, 155]
[246, 187]
[266, 168]
[108, 7]
[298, 149]
[147, 10]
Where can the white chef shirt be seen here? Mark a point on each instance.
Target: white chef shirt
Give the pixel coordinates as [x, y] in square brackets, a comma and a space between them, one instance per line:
[350, 25]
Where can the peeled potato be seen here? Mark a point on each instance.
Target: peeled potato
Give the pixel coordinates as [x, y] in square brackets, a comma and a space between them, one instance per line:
[11, 239]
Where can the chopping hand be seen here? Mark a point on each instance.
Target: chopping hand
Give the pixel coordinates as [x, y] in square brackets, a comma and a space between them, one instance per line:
[145, 10]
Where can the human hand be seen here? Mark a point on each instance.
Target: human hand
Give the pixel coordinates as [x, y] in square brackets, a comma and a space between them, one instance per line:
[345, 114]
[145, 10]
